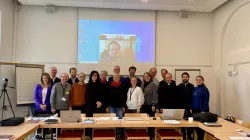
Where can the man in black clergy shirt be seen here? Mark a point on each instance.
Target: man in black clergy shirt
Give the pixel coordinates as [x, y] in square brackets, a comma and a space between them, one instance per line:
[185, 91]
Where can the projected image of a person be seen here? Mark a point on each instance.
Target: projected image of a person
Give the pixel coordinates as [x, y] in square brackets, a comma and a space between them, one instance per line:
[114, 52]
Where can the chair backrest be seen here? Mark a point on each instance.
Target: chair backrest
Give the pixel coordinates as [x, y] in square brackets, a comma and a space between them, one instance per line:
[104, 115]
[242, 123]
[136, 115]
[158, 114]
[33, 109]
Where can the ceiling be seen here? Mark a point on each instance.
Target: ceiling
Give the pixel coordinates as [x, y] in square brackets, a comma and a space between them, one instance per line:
[172, 5]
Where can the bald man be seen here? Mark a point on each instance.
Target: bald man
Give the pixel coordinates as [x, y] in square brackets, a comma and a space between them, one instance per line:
[60, 93]
[117, 70]
[53, 72]
[153, 72]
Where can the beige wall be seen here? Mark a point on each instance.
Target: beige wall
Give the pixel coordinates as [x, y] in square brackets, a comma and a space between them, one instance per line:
[180, 43]
[6, 6]
[207, 41]
[232, 45]
[7, 55]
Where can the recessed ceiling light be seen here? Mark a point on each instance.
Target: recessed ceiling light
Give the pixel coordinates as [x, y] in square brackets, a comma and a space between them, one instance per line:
[144, 0]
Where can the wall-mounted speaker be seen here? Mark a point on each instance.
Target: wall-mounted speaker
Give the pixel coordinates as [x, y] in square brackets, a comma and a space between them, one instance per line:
[183, 14]
[50, 9]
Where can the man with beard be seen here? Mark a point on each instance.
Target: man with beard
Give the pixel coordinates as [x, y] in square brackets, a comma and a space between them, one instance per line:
[73, 79]
[185, 91]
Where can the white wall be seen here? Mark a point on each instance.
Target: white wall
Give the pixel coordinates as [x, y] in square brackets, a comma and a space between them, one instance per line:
[232, 44]
[178, 38]
[51, 39]
[6, 55]
[6, 6]
[186, 44]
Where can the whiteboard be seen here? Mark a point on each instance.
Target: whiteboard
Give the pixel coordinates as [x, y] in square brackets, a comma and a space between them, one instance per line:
[26, 80]
[193, 73]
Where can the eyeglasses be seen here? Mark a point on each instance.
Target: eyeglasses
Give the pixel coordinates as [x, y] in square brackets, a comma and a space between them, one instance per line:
[81, 76]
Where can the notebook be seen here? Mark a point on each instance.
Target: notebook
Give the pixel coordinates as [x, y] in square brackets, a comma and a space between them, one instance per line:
[210, 124]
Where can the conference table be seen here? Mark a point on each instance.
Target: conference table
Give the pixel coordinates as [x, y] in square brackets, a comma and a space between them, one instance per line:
[22, 131]
[227, 130]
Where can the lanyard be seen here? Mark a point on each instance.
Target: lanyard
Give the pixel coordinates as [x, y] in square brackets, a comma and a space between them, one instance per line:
[63, 88]
[131, 91]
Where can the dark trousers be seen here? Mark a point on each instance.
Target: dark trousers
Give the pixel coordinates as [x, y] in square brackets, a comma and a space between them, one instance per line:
[200, 132]
[58, 129]
[42, 114]
[82, 108]
[148, 109]
[132, 111]
[187, 132]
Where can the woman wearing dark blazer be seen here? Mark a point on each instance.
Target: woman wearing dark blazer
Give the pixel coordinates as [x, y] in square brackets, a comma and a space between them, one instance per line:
[94, 97]
[42, 95]
[149, 90]
[94, 94]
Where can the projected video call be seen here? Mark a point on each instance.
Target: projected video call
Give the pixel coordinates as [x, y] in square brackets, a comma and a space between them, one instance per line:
[103, 41]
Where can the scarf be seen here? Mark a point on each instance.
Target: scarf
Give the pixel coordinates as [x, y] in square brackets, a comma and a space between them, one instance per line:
[115, 84]
[104, 81]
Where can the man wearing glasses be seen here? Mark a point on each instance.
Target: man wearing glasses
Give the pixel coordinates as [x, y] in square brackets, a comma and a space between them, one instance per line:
[117, 70]
[78, 94]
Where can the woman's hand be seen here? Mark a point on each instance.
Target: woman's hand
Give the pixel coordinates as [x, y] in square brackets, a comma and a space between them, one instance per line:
[153, 108]
[138, 110]
[53, 111]
[43, 107]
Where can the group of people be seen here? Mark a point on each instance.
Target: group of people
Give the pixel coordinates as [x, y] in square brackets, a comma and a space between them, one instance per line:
[121, 94]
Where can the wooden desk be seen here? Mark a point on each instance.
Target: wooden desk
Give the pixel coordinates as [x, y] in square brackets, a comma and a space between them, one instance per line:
[227, 127]
[223, 133]
[120, 123]
[98, 124]
[21, 131]
[225, 136]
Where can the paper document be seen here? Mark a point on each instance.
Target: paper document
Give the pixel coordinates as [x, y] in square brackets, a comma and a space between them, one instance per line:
[104, 118]
[172, 122]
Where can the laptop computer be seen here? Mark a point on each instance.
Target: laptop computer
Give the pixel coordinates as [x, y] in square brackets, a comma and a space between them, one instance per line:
[70, 116]
[172, 114]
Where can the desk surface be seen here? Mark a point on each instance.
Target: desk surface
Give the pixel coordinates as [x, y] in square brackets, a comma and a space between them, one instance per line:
[225, 136]
[228, 129]
[148, 122]
[21, 131]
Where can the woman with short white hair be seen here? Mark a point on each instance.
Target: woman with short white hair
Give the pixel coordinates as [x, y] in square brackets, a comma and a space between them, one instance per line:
[116, 99]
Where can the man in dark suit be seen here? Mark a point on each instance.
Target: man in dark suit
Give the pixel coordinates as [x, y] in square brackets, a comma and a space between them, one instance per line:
[73, 79]
[53, 72]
